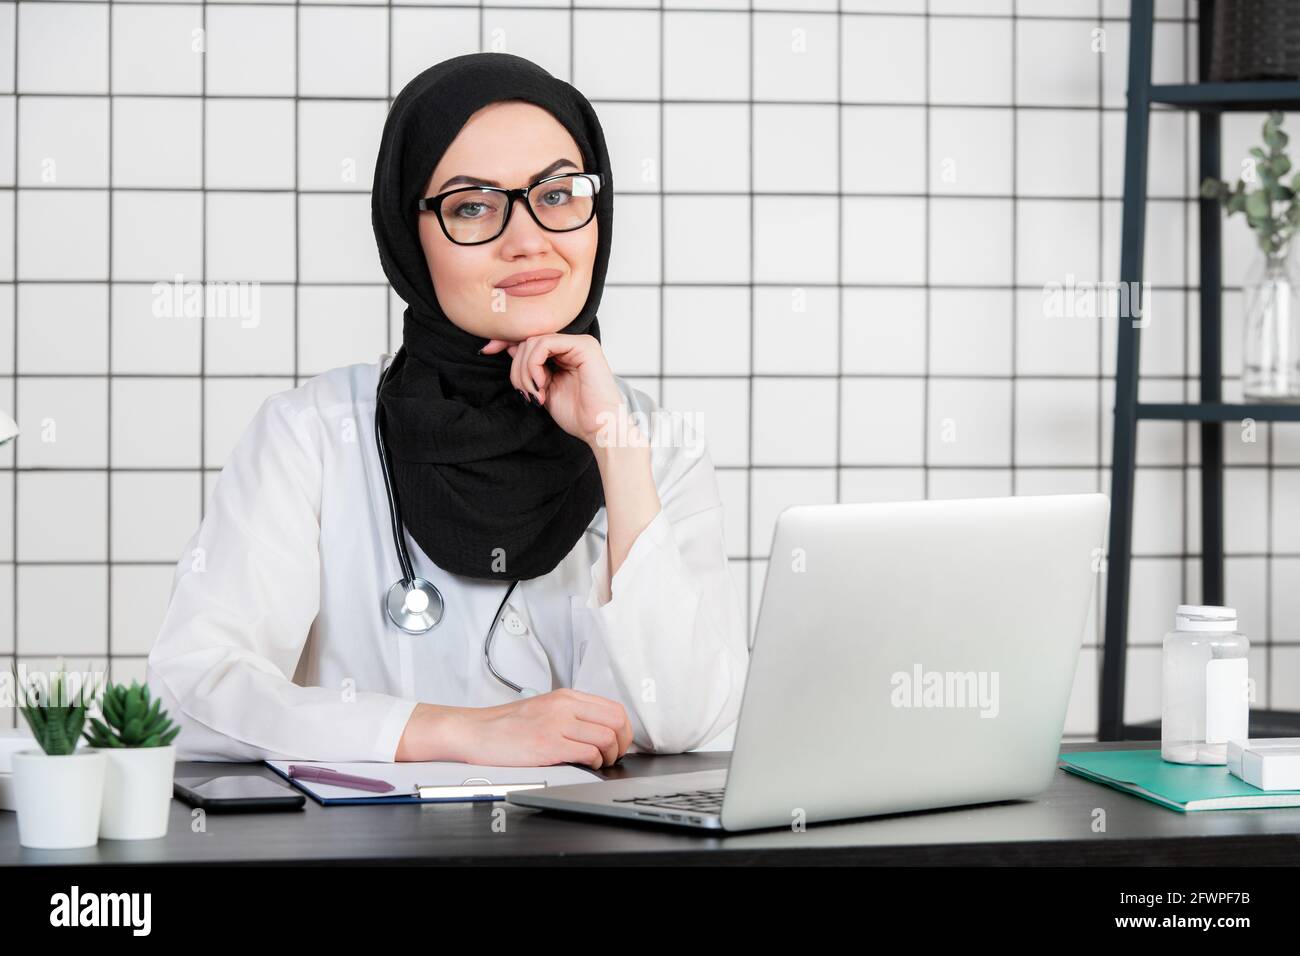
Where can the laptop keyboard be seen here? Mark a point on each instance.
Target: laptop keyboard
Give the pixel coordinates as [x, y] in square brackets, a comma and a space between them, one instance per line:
[699, 801]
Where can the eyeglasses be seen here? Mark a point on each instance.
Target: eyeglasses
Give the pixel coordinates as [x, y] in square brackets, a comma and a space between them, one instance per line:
[472, 215]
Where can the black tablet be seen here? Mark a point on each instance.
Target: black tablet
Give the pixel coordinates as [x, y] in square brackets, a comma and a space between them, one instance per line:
[237, 794]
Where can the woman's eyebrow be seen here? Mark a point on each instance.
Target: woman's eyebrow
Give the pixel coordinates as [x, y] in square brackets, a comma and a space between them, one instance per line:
[474, 181]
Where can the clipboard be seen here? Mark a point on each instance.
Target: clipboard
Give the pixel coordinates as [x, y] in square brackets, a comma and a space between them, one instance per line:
[431, 781]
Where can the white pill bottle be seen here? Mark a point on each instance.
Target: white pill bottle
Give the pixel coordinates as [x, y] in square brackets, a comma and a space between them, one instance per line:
[1205, 693]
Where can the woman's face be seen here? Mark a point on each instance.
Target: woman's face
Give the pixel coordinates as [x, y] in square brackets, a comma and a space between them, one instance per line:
[509, 143]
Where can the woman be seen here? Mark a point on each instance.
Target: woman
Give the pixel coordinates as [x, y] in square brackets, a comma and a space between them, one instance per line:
[515, 454]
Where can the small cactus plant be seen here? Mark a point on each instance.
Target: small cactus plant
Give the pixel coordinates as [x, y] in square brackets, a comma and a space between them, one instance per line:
[56, 716]
[131, 720]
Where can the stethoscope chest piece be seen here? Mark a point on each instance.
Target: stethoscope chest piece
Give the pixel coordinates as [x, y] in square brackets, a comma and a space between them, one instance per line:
[415, 608]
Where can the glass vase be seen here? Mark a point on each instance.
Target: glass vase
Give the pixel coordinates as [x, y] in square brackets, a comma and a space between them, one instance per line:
[1271, 330]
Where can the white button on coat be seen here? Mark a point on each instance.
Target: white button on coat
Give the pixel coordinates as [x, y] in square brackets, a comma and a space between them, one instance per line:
[275, 643]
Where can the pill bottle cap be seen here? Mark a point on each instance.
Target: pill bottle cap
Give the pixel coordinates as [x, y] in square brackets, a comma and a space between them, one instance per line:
[1205, 617]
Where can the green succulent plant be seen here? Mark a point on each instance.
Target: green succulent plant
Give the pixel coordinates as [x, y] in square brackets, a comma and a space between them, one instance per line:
[57, 714]
[131, 720]
[1272, 210]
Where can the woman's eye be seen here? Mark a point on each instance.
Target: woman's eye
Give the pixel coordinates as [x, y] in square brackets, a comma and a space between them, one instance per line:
[559, 196]
[461, 213]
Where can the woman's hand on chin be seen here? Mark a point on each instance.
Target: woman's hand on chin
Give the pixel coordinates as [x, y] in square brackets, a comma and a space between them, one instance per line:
[569, 377]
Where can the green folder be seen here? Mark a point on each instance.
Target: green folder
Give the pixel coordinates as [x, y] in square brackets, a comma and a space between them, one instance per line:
[1177, 786]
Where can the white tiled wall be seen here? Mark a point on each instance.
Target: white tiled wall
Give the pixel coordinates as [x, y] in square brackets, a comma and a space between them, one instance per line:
[886, 184]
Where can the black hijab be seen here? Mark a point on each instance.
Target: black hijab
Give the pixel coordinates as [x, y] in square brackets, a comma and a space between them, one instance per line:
[488, 485]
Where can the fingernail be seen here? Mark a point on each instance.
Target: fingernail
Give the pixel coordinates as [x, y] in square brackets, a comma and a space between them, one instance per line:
[522, 394]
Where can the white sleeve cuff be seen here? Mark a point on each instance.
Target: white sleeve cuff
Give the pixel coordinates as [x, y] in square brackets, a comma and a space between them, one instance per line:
[390, 732]
[653, 535]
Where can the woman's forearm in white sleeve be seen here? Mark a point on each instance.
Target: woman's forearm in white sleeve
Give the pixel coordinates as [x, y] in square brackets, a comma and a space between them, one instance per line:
[243, 599]
[666, 637]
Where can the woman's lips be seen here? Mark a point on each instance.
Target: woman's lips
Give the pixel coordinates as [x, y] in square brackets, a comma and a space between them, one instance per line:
[532, 287]
[534, 282]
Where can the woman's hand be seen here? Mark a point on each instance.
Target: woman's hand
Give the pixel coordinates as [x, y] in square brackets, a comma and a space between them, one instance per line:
[562, 726]
[569, 377]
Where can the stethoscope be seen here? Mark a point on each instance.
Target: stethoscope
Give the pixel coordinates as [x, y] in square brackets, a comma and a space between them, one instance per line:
[414, 604]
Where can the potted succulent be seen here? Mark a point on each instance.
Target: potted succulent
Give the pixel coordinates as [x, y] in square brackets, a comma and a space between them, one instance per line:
[58, 789]
[135, 738]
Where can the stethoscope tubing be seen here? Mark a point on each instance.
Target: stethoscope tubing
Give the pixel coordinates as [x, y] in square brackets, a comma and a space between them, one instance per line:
[394, 511]
[408, 580]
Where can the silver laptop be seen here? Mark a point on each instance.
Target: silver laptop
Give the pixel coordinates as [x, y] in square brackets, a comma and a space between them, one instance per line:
[908, 656]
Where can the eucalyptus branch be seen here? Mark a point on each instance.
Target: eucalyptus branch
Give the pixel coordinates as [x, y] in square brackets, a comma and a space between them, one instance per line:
[1271, 209]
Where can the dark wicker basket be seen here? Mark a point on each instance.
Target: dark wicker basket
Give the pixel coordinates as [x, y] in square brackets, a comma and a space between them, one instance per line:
[1255, 40]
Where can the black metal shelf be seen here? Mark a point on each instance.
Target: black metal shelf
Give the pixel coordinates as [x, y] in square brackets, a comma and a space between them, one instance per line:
[1210, 101]
[1263, 723]
[1218, 412]
[1220, 97]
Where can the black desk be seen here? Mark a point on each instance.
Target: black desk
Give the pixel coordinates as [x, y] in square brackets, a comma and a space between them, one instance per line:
[1054, 829]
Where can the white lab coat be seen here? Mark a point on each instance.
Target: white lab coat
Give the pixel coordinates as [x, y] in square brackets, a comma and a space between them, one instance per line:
[275, 643]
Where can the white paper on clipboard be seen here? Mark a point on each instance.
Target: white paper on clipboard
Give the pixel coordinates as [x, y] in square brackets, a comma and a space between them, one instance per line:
[405, 776]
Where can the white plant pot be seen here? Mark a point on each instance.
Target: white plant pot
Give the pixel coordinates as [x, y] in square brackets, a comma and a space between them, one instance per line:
[137, 792]
[58, 799]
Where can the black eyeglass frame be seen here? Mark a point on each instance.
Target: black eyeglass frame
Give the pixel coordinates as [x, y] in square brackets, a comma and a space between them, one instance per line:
[433, 204]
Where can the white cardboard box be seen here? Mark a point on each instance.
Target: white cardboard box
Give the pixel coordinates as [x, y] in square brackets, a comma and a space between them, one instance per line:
[1270, 763]
[11, 741]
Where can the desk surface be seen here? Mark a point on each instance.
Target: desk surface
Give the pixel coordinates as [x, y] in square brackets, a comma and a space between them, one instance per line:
[1054, 829]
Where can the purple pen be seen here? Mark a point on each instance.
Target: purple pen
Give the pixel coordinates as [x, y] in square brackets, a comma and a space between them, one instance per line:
[336, 779]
